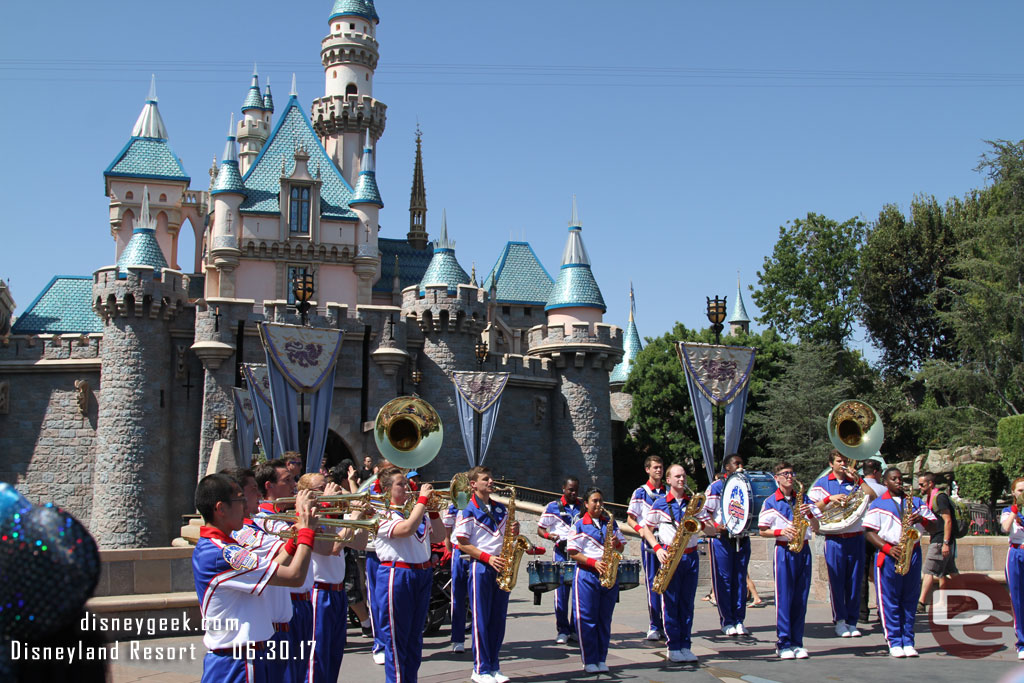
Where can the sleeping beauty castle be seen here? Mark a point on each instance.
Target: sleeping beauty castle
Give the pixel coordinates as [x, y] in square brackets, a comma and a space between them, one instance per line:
[116, 387]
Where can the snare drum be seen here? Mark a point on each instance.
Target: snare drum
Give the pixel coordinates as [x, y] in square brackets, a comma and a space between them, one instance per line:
[629, 574]
[742, 498]
[568, 572]
[544, 576]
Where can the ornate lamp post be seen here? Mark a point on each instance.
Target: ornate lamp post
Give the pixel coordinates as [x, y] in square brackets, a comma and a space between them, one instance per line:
[302, 288]
[481, 352]
[417, 377]
[221, 423]
[716, 316]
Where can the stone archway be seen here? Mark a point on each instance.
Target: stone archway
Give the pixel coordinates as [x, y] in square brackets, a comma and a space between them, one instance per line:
[335, 450]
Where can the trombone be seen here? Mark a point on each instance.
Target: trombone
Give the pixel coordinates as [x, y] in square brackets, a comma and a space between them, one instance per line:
[369, 525]
[341, 503]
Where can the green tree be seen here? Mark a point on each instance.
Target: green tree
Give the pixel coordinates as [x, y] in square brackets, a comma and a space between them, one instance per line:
[806, 289]
[901, 284]
[1011, 443]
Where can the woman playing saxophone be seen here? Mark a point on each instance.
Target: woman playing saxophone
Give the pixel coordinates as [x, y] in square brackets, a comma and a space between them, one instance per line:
[594, 541]
[1013, 525]
[893, 525]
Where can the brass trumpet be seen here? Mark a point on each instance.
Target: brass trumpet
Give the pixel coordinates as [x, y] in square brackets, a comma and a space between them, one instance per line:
[458, 492]
[343, 502]
[368, 525]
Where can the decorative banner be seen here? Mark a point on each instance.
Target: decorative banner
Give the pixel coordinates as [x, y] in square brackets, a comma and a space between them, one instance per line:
[478, 392]
[717, 375]
[258, 380]
[245, 427]
[301, 360]
[303, 355]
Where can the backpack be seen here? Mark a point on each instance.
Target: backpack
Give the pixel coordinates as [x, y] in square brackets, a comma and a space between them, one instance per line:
[961, 517]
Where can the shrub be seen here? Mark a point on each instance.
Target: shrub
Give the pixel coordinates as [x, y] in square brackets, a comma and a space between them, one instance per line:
[1011, 443]
[980, 481]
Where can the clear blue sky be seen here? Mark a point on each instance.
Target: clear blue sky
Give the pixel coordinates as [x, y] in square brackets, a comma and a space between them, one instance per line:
[689, 131]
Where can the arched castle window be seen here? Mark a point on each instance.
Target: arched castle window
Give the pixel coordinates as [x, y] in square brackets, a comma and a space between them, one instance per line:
[298, 214]
[129, 195]
[351, 89]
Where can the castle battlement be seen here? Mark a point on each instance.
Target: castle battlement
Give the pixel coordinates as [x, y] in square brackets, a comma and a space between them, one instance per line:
[438, 311]
[135, 291]
[333, 52]
[596, 334]
[49, 347]
[334, 114]
[523, 366]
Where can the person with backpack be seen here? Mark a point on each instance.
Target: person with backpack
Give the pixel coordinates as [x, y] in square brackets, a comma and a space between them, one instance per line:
[940, 562]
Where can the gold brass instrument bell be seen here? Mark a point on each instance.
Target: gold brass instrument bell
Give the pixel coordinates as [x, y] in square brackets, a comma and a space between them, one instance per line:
[856, 431]
[368, 525]
[458, 492]
[408, 432]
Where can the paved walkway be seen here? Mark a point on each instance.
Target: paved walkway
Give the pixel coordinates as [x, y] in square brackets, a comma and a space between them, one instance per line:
[531, 656]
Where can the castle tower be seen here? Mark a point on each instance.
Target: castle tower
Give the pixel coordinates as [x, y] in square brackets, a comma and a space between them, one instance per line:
[417, 234]
[738, 321]
[348, 113]
[254, 127]
[137, 300]
[147, 159]
[584, 351]
[226, 193]
[444, 268]
[630, 346]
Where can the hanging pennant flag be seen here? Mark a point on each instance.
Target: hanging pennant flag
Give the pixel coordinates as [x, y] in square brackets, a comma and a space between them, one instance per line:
[717, 375]
[301, 360]
[257, 379]
[478, 392]
[245, 424]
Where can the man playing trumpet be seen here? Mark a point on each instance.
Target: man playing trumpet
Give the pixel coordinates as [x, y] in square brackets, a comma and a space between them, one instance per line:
[844, 551]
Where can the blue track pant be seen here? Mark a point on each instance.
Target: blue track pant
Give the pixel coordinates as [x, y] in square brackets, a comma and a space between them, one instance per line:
[844, 558]
[460, 588]
[897, 598]
[1015, 582]
[792, 586]
[490, 607]
[330, 626]
[729, 560]
[677, 601]
[651, 566]
[404, 595]
[593, 606]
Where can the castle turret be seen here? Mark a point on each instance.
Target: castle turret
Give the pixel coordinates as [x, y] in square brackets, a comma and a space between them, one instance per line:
[227, 193]
[575, 296]
[137, 299]
[739, 321]
[347, 112]
[417, 235]
[147, 159]
[268, 100]
[444, 268]
[254, 127]
[630, 348]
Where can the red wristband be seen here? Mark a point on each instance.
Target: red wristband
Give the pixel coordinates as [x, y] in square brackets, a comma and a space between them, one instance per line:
[1014, 509]
[827, 499]
[291, 546]
[886, 548]
[777, 532]
[305, 537]
[636, 528]
[485, 558]
[658, 547]
[422, 500]
[592, 563]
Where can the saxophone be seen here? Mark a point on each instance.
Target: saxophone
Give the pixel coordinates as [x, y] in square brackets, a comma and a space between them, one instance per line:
[688, 526]
[800, 521]
[512, 547]
[611, 556]
[908, 536]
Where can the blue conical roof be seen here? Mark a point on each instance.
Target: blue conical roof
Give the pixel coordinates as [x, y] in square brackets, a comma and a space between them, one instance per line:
[520, 276]
[358, 8]
[575, 286]
[143, 249]
[268, 99]
[253, 99]
[739, 311]
[229, 178]
[367, 191]
[631, 347]
[444, 268]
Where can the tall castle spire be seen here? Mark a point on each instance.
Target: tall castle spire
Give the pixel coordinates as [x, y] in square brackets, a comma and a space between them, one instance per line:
[739, 321]
[576, 289]
[418, 200]
[630, 346]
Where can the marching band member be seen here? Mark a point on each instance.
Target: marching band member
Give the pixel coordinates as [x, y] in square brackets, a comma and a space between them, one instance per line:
[480, 531]
[897, 594]
[230, 579]
[792, 570]
[639, 505]
[661, 525]
[1013, 525]
[404, 576]
[460, 582]
[328, 599]
[593, 603]
[729, 557]
[556, 524]
[844, 552]
[372, 563]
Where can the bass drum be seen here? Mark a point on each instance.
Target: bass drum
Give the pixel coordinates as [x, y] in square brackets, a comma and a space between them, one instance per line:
[742, 498]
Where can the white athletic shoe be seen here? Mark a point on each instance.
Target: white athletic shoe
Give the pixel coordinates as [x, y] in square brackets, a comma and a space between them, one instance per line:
[842, 630]
[602, 667]
[378, 657]
[591, 669]
[1020, 654]
[786, 653]
[562, 638]
[687, 655]
[896, 652]
[500, 677]
[741, 630]
[458, 647]
[729, 630]
[654, 634]
[909, 651]
[801, 653]
[854, 632]
[675, 656]
[482, 678]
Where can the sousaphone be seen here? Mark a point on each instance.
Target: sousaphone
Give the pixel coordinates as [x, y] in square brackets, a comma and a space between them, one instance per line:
[856, 431]
[408, 432]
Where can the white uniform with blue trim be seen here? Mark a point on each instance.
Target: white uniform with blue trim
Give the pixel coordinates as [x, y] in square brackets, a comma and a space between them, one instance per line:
[558, 520]
[677, 601]
[844, 553]
[639, 504]
[1015, 571]
[729, 559]
[593, 604]
[460, 579]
